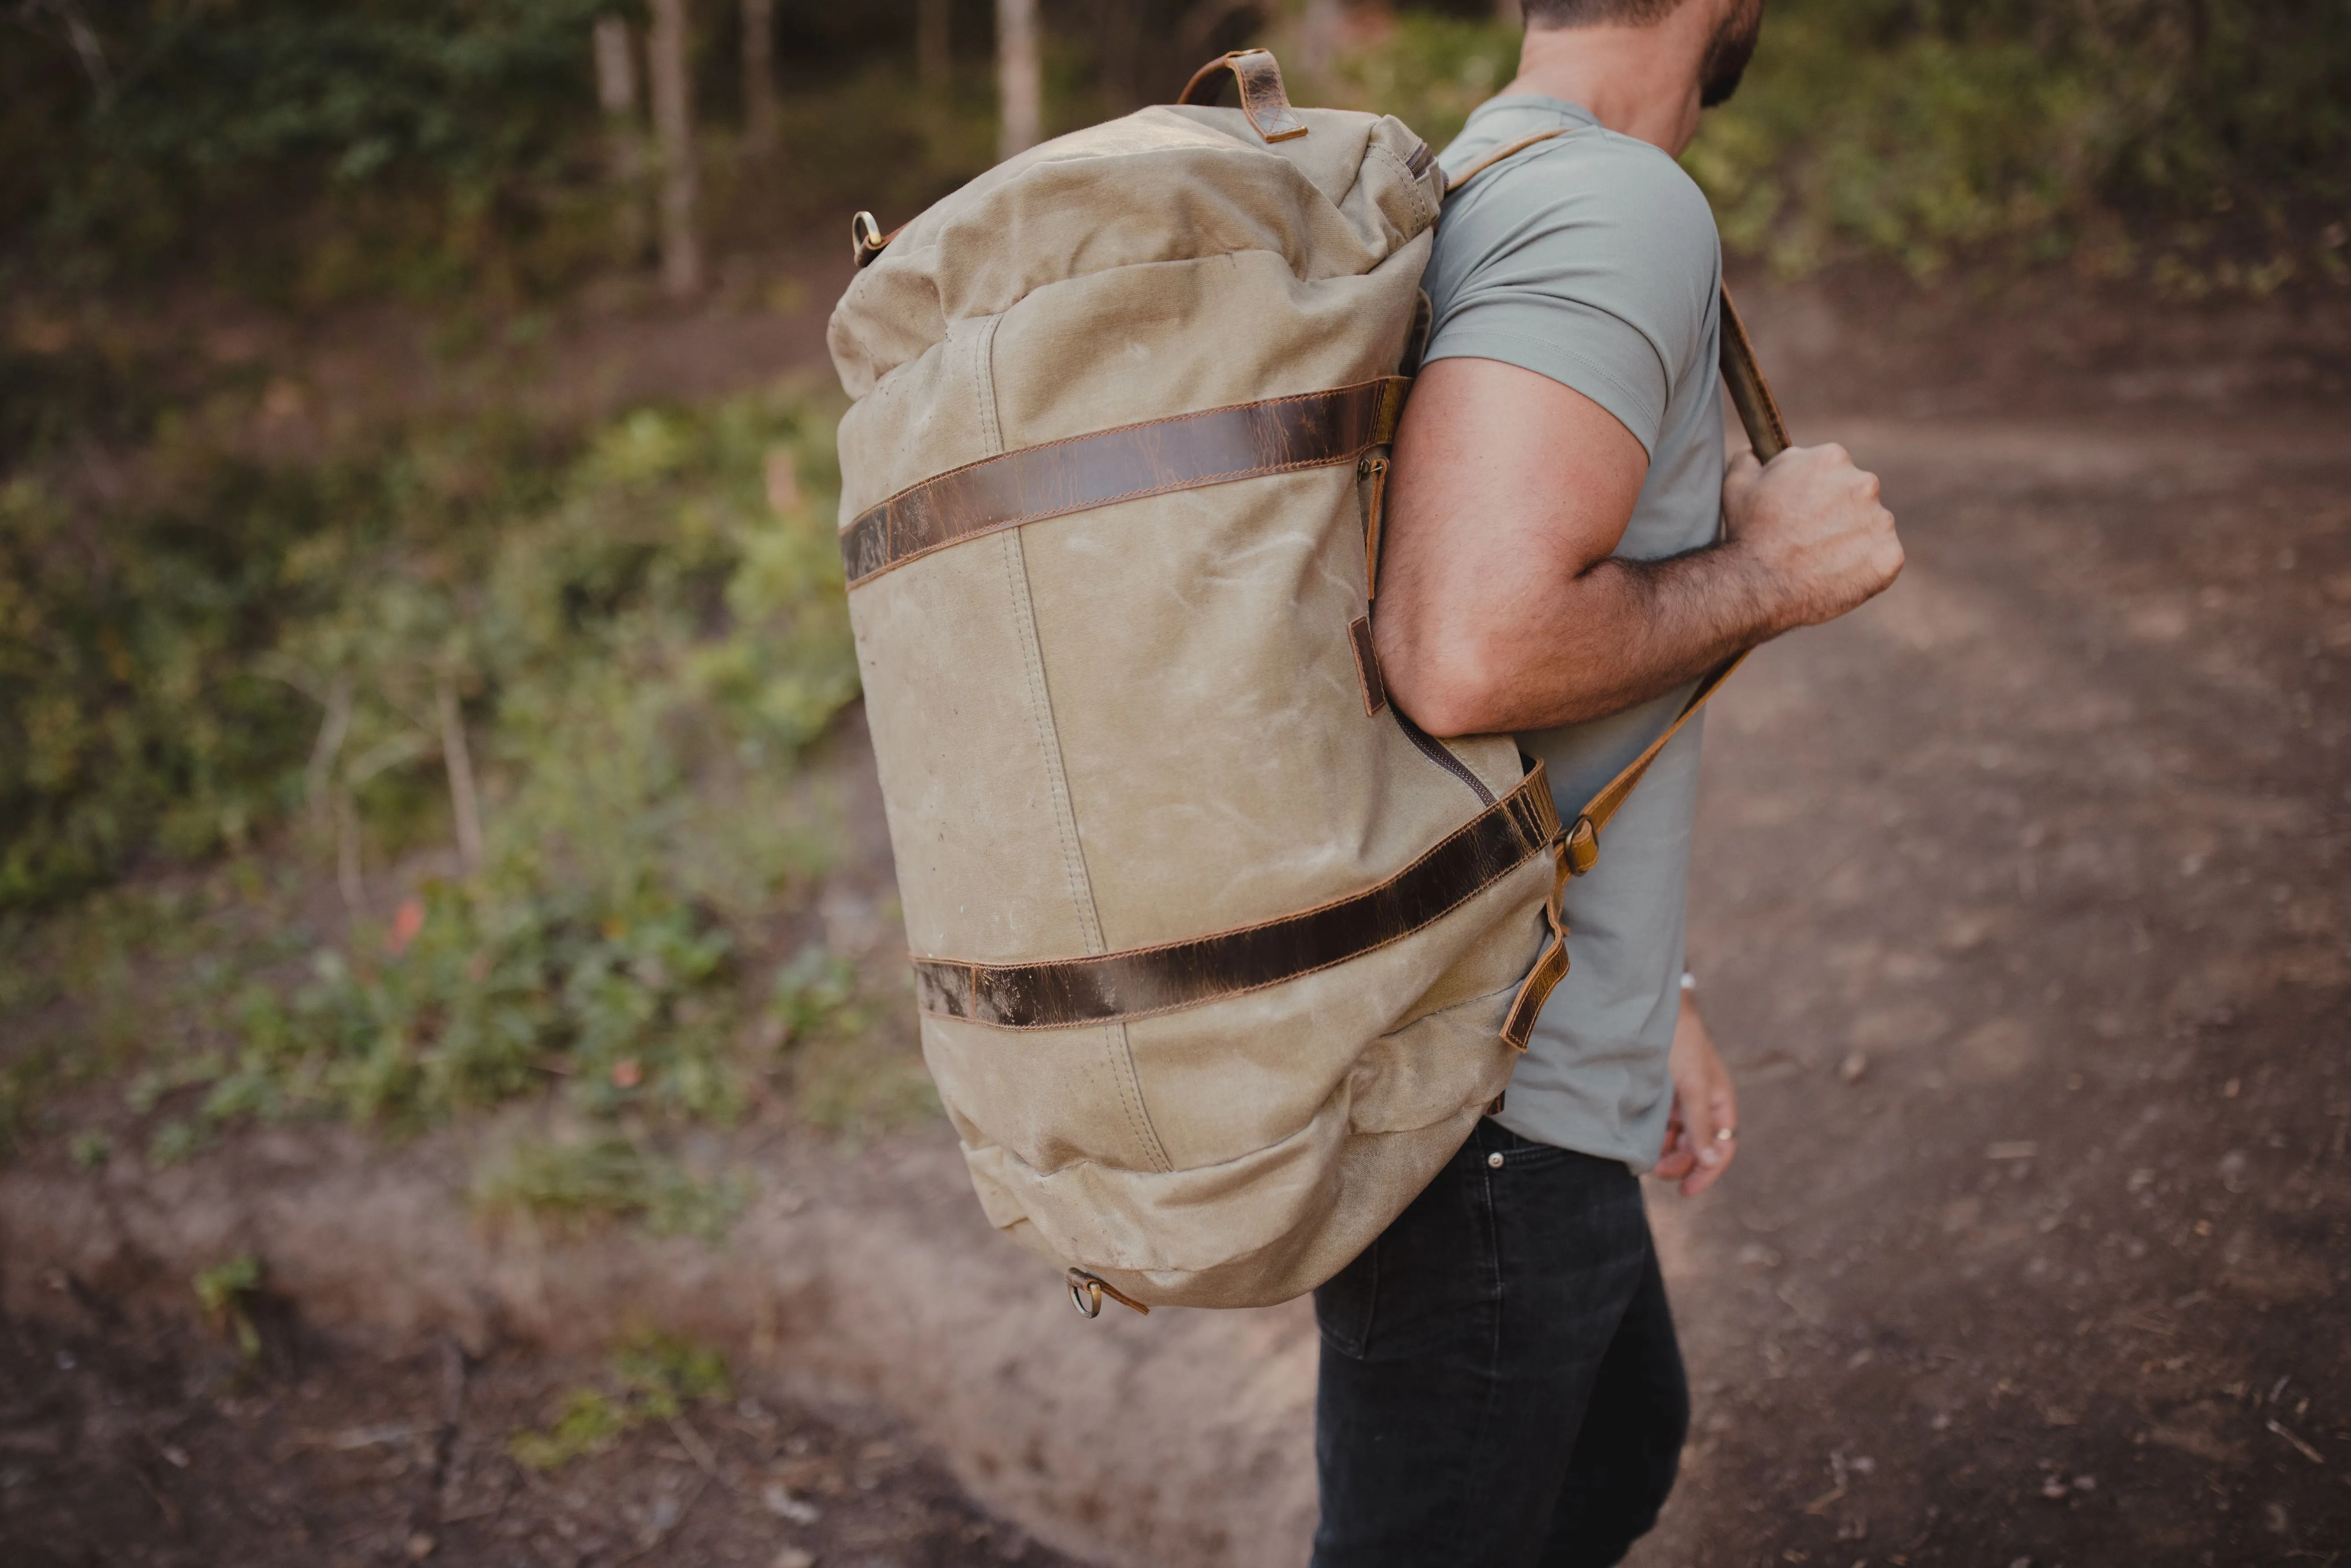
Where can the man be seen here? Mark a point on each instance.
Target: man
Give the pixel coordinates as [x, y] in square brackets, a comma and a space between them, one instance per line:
[1566, 554]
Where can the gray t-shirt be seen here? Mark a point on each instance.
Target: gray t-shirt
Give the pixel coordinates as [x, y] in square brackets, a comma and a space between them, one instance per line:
[1592, 258]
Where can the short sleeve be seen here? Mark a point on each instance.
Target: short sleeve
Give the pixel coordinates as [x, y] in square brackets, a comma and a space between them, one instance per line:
[1594, 261]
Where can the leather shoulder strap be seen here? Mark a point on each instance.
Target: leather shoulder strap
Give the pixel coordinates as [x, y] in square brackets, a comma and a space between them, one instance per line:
[1263, 98]
[1507, 150]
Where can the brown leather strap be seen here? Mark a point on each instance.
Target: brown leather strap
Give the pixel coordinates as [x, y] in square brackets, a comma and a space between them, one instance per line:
[1138, 982]
[1507, 150]
[1582, 846]
[1750, 394]
[1188, 452]
[1262, 98]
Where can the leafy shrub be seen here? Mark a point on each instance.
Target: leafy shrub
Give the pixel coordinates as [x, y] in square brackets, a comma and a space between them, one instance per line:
[628, 641]
[431, 134]
[2171, 140]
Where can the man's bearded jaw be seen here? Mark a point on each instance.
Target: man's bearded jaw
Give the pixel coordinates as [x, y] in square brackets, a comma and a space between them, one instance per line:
[1728, 52]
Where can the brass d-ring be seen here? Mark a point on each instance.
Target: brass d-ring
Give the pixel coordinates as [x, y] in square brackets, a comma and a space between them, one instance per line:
[867, 240]
[1087, 1291]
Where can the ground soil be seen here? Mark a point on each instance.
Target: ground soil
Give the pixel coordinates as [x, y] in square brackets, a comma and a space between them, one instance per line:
[2019, 911]
[180, 1451]
[2020, 908]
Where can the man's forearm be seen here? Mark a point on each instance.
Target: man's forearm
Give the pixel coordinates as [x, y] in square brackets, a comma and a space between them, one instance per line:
[1614, 636]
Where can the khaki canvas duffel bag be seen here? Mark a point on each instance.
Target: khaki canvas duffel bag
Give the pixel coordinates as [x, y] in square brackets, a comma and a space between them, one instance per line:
[1219, 957]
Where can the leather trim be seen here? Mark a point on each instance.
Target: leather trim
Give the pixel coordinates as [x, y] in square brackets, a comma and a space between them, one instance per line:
[1140, 982]
[1508, 149]
[1367, 665]
[1750, 394]
[1376, 507]
[1263, 98]
[1188, 452]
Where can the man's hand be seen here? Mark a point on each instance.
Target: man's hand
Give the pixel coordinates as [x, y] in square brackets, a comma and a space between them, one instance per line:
[1811, 527]
[1701, 1137]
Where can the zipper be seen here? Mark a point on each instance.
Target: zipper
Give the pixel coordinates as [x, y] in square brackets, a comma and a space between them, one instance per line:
[1436, 752]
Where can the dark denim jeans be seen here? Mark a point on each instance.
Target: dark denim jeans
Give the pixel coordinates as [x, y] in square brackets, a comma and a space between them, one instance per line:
[1501, 1384]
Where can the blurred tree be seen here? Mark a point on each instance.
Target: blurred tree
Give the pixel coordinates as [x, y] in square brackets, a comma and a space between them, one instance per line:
[760, 75]
[1320, 26]
[624, 136]
[932, 61]
[672, 84]
[1020, 78]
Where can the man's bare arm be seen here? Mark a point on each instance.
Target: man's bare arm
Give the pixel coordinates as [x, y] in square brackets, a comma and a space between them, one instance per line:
[1500, 607]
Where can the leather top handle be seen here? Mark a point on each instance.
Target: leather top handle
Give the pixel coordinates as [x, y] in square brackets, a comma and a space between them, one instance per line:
[1262, 98]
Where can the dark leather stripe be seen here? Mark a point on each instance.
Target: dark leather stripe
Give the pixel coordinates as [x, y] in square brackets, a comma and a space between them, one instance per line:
[1067, 992]
[1214, 446]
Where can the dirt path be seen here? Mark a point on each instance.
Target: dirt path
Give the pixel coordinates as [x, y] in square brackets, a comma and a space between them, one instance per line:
[2021, 911]
[167, 1449]
[2021, 914]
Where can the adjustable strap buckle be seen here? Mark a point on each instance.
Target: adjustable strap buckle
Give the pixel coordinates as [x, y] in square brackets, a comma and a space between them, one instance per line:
[1580, 851]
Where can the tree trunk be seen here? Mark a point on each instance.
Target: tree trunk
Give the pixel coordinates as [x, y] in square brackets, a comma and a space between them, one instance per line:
[1019, 85]
[672, 95]
[933, 63]
[1508, 11]
[760, 75]
[624, 136]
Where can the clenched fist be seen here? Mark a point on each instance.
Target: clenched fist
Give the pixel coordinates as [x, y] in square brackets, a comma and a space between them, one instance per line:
[1809, 528]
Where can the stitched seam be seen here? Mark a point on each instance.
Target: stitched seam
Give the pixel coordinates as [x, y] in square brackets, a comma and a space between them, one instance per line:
[1142, 1108]
[1494, 1296]
[1419, 185]
[1082, 898]
[983, 376]
[1115, 1044]
[974, 969]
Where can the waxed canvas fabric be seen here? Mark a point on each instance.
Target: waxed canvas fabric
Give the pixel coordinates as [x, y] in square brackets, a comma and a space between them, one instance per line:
[1143, 722]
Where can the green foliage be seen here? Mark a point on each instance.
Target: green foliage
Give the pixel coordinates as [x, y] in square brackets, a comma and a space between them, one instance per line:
[2198, 145]
[226, 1291]
[2116, 135]
[653, 1377]
[1430, 71]
[429, 135]
[589, 1422]
[603, 1177]
[635, 634]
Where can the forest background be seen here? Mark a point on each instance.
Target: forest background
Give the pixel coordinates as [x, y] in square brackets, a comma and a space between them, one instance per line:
[397, 750]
